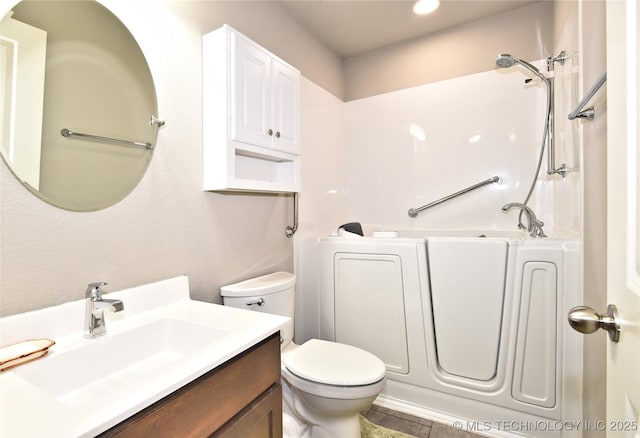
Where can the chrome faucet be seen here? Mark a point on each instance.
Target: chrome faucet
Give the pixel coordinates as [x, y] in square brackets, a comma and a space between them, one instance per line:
[535, 224]
[95, 324]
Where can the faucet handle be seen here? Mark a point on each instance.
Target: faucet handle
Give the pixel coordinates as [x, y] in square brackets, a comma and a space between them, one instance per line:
[537, 229]
[94, 290]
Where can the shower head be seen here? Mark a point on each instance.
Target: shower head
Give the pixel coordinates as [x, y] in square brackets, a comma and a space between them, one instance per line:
[504, 60]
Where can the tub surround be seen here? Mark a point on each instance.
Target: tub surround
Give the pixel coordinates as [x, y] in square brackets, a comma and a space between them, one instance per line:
[410, 159]
[106, 400]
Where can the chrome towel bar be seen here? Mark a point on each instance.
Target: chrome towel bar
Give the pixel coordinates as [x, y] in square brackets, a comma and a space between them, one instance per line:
[67, 133]
[413, 212]
[588, 113]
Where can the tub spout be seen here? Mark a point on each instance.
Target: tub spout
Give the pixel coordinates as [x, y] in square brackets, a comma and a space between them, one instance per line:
[535, 224]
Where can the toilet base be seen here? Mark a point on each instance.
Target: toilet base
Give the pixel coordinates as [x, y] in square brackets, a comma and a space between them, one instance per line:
[293, 427]
[301, 421]
[348, 427]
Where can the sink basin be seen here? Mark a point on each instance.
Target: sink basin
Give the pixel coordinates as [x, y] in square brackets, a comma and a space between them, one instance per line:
[161, 341]
[116, 363]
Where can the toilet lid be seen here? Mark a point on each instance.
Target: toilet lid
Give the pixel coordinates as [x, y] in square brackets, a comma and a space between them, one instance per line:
[334, 364]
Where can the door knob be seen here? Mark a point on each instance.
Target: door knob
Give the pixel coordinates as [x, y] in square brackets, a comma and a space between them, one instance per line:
[586, 320]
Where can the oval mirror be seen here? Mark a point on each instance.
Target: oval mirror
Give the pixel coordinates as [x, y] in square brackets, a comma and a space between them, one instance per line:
[76, 103]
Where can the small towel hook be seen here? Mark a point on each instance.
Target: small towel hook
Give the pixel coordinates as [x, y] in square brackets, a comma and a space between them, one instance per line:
[153, 120]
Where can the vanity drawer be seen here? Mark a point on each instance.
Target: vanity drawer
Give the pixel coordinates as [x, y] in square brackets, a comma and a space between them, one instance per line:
[206, 404]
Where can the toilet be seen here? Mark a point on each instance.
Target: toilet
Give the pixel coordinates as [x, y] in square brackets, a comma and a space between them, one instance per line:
[325, 384]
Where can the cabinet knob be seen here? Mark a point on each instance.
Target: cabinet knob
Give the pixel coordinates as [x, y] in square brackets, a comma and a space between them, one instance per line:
[278, 134]
[270, 131]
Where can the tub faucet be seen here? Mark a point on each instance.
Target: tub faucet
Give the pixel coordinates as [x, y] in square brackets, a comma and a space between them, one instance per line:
[95, 324]
[535, 224]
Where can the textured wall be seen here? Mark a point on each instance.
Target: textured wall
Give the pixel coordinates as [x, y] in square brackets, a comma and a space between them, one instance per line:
[168, 225]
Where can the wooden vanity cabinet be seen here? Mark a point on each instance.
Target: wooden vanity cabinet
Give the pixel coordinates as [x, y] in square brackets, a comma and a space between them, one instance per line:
[240, 398]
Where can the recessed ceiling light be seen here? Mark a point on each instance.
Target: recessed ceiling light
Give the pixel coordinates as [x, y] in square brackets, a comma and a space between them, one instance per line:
[423, 7]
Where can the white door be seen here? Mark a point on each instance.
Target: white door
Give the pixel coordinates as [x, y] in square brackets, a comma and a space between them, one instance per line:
[23, 51]
[623, 236]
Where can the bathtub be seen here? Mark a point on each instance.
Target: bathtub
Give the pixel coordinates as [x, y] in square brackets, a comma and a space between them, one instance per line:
[471, 324]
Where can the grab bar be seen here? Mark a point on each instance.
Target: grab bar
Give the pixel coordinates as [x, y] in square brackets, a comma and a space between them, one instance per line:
[413, 212]
[588, 113]
[67, 133]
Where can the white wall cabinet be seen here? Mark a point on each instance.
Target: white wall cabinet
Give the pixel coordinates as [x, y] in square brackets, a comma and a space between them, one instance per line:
[251, 116]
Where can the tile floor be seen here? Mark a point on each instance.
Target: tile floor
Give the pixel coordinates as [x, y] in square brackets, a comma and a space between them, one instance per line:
[418, 427]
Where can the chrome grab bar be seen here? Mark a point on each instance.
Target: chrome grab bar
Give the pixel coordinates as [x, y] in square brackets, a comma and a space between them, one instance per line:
[68, 133]
[413, 212]
[588, 113]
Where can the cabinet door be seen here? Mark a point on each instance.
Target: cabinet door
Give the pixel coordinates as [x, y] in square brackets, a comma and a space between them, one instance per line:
[251, 93]
[286, 108]
[261, 419]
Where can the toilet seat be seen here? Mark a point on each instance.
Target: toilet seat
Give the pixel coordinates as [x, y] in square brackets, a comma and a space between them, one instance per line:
[333, 391]
[332, 363]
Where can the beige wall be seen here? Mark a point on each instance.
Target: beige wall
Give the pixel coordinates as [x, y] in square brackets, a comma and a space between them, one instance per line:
[268, 24]
[167, 226]
[525, 32]
[595, 207]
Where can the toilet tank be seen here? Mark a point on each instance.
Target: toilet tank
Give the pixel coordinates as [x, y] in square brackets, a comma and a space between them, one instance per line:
[272, 293]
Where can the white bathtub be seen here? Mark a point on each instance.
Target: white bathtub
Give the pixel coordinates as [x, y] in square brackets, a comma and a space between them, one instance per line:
[472, 329]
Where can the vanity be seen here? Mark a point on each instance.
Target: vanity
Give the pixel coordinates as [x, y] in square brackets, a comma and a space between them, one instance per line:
[231, 400]
[167, 366]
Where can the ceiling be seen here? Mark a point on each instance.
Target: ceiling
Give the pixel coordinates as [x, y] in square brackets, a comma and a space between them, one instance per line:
[353, 27]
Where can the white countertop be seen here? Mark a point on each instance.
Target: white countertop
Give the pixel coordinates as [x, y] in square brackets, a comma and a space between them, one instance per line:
[46, 410]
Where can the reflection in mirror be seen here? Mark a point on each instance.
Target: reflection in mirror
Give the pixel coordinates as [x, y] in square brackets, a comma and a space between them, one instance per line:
[75, 66]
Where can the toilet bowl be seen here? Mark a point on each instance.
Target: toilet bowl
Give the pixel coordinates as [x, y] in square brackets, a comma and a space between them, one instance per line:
[325, 384]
